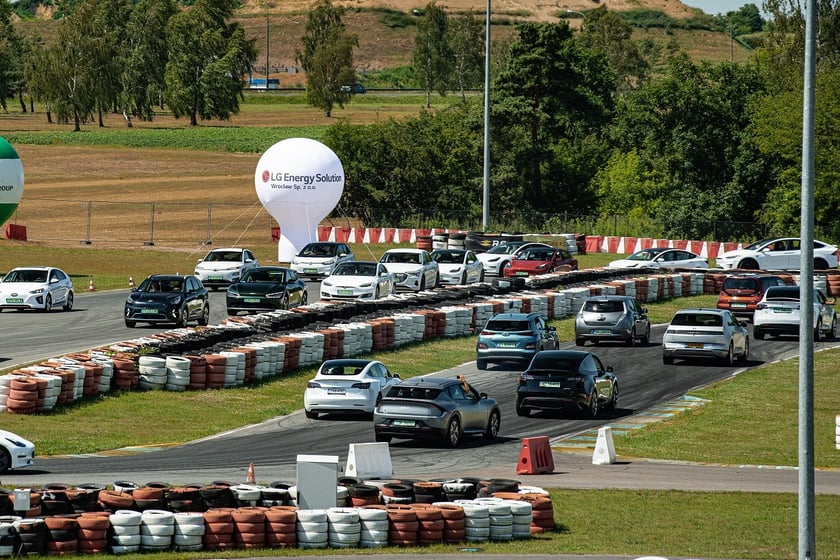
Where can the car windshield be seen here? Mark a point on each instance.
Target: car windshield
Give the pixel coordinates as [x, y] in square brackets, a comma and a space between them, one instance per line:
[733, 283]
[318, 250]
[758, 244]
[607, 306]
[646, 255]
[423, 393]
[264, 275]
[162, 285]
[554, 363]
[507, 325]
[343, 369]
[783, 292]
[408, 258]
[26, 275]
[504, 248]
[698, 319]
[536, 254]
[223, 256]
[448, 257]
[355, 269]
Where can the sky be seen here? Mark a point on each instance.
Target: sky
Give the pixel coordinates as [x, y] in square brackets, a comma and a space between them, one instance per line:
[720, 6]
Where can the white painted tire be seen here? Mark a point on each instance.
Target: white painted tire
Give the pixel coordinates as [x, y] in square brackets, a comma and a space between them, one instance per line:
[345, 528]
[124, 549]
[126, 540]
[156, 530]
[119, 530]
[501, 520]
[481, 532]
[158, 517]
[372, 514]
[519, 507]
[480, 522]
[186, 540]
[373, 543]
[374, 534]
[152, 361]
[189, 530]
[155, 540]
[375, 525]
[312, 516]
[343, 515]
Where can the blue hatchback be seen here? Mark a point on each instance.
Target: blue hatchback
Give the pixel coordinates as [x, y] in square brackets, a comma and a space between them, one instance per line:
[514, 337]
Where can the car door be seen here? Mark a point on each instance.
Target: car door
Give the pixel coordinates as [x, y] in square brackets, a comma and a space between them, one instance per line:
[57, 287]
[775, 255]
[469, 405]
[822, 309]
[473, 266]
[192, 297]
[640, 317]
[603, 384]
[547, 334]
[384, 280]
[293, 288]
[430, 268]
[738, 337]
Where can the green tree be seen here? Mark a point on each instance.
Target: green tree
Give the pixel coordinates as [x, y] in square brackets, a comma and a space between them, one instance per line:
[433, 55]
[466, 37]
[144, 57]
[327, 57]
[746, 19]
[108, 18]
[10, 61]
[610, 33]
[207, 58]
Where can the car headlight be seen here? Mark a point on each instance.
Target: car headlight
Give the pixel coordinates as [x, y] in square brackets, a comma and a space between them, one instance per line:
[326, 283]
[174, 300]
[275, 295]
[37, 291]
[400, 277]
[232, 290]
[366, 285]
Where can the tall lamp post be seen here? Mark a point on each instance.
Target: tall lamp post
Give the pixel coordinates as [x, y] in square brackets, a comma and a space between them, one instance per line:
[485, 205]
[267, 41]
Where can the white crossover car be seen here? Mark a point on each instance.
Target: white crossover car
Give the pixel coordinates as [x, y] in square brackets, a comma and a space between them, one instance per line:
[358, 280]
[705, 333]
[223, 267]
[777, 253]
[778, 313]
[347, 385]
[15, 451]
[317, 260]
[660, 257]
[36, 287]
[413, 269]
[458, 266]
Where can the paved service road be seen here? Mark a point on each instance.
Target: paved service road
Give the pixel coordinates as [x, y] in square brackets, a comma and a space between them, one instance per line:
[273, 446]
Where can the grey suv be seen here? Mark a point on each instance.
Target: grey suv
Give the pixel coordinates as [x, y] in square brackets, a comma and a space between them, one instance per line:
[514, 337]
[612, 318]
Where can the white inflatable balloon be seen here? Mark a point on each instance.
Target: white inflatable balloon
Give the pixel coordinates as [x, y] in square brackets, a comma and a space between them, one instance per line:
[11, 180]
[299, 181]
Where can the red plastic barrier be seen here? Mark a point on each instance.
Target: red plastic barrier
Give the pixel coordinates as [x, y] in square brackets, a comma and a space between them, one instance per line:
[15, 231]
[535, 456]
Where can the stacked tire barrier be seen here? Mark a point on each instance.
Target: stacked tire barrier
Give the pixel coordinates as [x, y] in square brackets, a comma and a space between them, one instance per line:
[512, 513]
[242, 350]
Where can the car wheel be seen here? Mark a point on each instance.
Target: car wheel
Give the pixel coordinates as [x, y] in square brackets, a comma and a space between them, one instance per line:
[667, 360]
[591, 411]
[613, 405]
[730, 355]
[748, 264]
[5, 460]
[311, 414]
[453, 432]
[580, 342]
[130, 324]
[437, 280]
[422, 283]
[481, 364]
[758, 333]
[818, 331]
[68, 303]
[632, 340]
[183, 318]
[382, 438]
[205, 315]
[48, 304]
[833, 332]
[521, 410]
[284, 303]
[493, 425]
[746, 355]
[820, 264]
[481, 276]
[376, 293]
[646, 338]
[305, 299]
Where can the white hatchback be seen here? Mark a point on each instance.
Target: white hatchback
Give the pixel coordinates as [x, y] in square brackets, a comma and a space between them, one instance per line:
[15, 451]
[659, 257]
[358, 280]
[458, 266]
[36, 287]
[347, 385]
[705, 333]
[225, 266]
[778, 312]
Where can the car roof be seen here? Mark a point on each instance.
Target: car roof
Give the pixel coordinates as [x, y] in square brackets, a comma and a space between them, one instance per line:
[32, 268]
[271, 268]
[216, 250]
[565, 354]
[513, 316]
[354, 362]
[405, 250]
[702, 309]
[610, 297]
[167, 276]
[450, 251]
[351, 263]
[437, 382]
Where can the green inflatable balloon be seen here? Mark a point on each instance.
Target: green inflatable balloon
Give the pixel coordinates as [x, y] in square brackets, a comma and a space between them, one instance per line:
[11, 180]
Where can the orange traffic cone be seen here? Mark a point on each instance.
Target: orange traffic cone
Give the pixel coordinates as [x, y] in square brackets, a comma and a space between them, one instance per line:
[131, 281]
[251, 478]
[91, 287]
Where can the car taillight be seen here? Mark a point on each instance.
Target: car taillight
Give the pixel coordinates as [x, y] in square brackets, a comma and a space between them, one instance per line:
[482, 345]
[531, 346]
[360, 385]
[313, 385]
[524, 377]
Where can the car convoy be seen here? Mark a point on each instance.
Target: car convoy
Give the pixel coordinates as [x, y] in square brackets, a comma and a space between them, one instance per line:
[442, 409]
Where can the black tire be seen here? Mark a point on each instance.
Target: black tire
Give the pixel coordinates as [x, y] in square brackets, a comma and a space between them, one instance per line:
[311, 414]
[748, 264]
[730, 355]
[481, 276]
[376, 293]
[183, 318]
[68, 303]
[746, 355]
[580, 342]
[832, 334]
[204, 319]
[494, 423]
[818, 332]
[380, 438]
[48, 304]
[130, 324]
[613, 404]
[5, 460]
[591, 411]
[454, 432]
[646, 338]
[521, 410]
[758, 333]
[820, 264]
[481, 364]
[305, 298]
[437, 280]
[632, 340]
[667, 360]
[464, 278]
[422, 283]
[284, 303]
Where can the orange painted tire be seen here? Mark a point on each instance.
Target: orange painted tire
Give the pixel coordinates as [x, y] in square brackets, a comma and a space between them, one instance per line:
[436, 525]
[451, 512]
[94, 534]
[23, 384]
[280, 516]
[62, 547]
[454, 524]
[218, 515]
[211, 539]
[280, 527]
[95, 521]
[248, 515]
[60, 523]
[405, 526]
[454, 535]
[429, 536]
[219, 527]
[281, 539]
[246, 527]
[23, 395]
[429, 514]
[116, 500]
[542, 514]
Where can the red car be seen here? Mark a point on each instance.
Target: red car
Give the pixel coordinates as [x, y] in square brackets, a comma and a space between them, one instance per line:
[540, 260]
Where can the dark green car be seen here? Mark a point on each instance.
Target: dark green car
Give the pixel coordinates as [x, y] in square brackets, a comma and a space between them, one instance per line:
[266, 288]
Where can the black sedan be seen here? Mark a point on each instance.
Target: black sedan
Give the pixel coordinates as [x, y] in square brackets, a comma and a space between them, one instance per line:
[435, 408]
[168, 298]
[266, 288]
[566, 380]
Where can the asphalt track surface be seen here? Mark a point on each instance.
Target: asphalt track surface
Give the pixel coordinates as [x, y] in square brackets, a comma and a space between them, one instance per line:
[273, 446]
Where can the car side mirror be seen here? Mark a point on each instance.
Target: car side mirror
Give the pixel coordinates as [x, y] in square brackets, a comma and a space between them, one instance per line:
[744, 323]
[483, 395]
[831, 302]
[610, 369]
[397, 376]
[644, 310]
[552, 328]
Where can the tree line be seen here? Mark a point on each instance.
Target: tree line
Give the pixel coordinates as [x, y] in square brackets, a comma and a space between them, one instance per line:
[587, 122]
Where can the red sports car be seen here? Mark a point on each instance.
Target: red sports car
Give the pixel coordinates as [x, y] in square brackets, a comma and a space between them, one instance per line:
[540, 260]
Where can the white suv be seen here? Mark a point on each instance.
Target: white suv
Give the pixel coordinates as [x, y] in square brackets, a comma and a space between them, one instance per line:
[223, 267]
[778, 313]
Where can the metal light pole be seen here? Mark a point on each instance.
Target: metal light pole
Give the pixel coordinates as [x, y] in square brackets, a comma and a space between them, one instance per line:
[807, 532]
[485, 205]
[267, 40]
